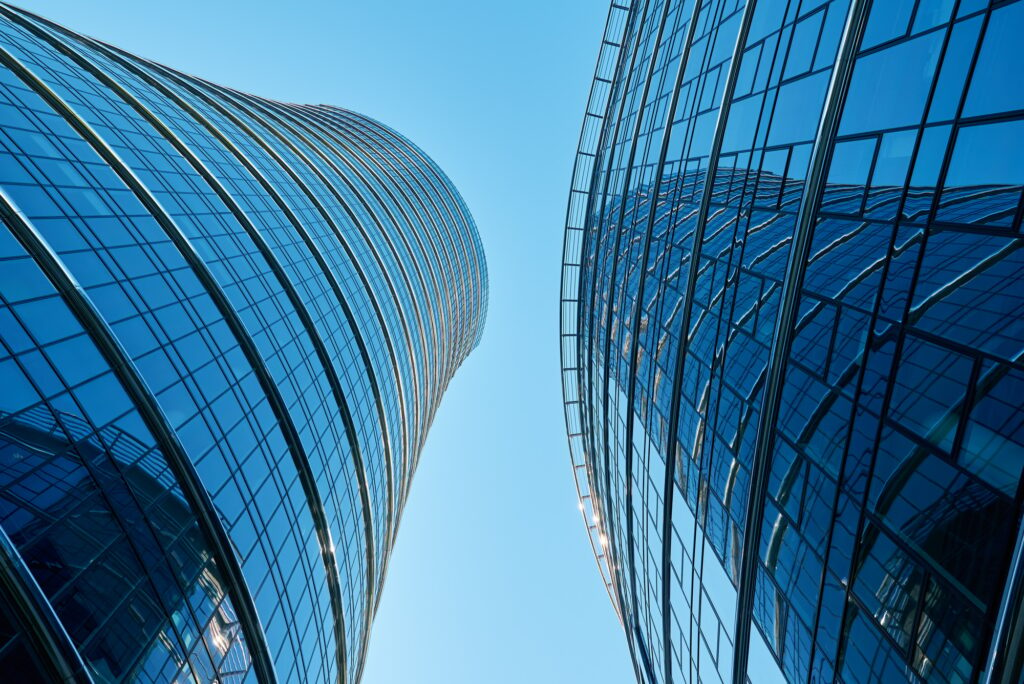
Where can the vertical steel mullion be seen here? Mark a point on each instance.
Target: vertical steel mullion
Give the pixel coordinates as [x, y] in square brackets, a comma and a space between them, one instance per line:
[669, 455]
[569, 319]
[43, 629]
[220, 299]
[98, 330]
[616, 258]
[782, 337]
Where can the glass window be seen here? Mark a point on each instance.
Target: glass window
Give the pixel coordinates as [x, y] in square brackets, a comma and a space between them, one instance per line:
[848, 176]
[893, 159]
[995, 84]
[798, 110]
[888, 582]
[988, 154]
[986, 173]
[955, 63]
[889, 88]
[993, 446]
[805, 40]
[888, 20]
[931, 13]
[851, 162]
[929, 390]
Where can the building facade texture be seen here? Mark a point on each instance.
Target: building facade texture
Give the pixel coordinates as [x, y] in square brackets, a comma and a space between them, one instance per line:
[793, 337]
[225, 327]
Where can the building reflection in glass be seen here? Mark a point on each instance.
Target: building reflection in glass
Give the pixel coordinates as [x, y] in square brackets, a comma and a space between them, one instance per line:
[793, 319]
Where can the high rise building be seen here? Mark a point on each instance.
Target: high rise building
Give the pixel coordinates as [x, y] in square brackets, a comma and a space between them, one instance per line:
[793, 337]
[225, 327]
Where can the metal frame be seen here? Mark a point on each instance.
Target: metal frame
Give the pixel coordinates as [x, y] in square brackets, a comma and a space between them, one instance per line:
[441, 185]
[289, 287]
[298, 120]
[356, 149]
[43, 629]
[442, 365]
[402, 181]
[219, 297]
[575, 228]
[1004, 662]
[124, 368]
[785, 323]
[588, 288]
[616, 258]
[667, 492]
[424, 391]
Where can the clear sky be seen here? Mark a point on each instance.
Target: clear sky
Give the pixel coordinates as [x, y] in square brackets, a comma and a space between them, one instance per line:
[492, 580]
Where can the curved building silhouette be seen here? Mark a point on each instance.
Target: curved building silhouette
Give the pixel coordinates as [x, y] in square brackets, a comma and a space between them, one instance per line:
[793, 338]
[226, 324]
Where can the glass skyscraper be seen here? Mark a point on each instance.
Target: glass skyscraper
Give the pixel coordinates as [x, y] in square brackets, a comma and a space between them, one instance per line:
[225, 327]
[793, 337]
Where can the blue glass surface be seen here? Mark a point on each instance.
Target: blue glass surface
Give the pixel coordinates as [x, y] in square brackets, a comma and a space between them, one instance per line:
[225, 325]
[795, 329]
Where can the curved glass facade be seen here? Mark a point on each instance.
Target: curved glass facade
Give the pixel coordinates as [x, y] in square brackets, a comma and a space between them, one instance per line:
[225, 326]
[793, 337]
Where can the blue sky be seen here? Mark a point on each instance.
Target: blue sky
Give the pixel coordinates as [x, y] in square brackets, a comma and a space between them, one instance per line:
[492, 579]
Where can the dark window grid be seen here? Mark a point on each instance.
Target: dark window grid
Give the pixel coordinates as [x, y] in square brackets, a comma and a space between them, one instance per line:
[640, 203]
[814, 336]
[97, 541]
[392, 209]
[456, 208]
[194, 137]
[876, 196]
[898, 270]
[967, 195]
[883, 664]
[933, 209]
[295, 609]
[937, 308]
[991, 405]
[458, 323]
[863, 255]
[197, 619]
[609, 229]
[393, 165]
[888, 584]
[630, 285]
[819, 409]
[932, 380]
[689, 94]
[771, 67]
[153, 507]
[267, 551]
[976, 207]
[774, 614]
[815, 508]
[956, 16]
[924, 578]
[368, 221]
[790, 562]
[766, 622]
[724, 430]
[908, 514]
[927, 447]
